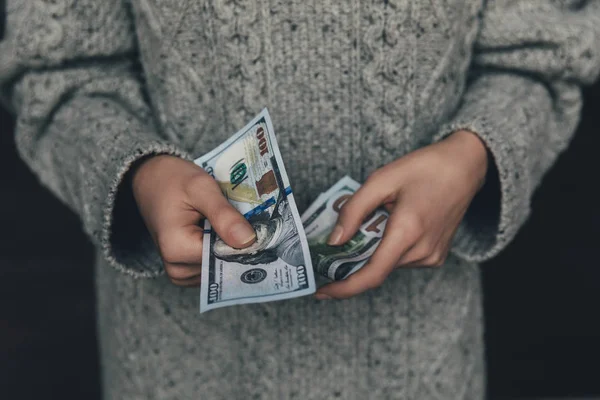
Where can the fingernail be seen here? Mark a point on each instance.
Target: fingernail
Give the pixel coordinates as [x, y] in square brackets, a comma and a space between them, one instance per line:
[243, 234]
[322, 296]
[335, 236]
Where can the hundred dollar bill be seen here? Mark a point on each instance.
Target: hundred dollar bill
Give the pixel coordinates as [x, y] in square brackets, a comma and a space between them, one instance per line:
[249, 169]
[338, 262]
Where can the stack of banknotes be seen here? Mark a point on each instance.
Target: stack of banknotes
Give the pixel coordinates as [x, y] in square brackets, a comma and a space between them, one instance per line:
[289, 248]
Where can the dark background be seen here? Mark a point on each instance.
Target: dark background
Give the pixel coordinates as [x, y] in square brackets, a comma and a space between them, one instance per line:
[542, 294]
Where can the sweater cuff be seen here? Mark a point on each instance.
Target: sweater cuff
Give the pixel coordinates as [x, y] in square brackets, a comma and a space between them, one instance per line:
[123, 237]
[501, 206]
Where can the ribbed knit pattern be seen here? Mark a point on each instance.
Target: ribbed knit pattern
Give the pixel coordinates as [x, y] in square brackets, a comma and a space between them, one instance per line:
[351, 85]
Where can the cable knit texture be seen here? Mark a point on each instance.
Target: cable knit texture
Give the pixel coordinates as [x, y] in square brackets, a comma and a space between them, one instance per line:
[351, 85]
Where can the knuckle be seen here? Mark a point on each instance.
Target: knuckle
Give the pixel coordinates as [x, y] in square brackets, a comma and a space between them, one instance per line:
[429, 250]
[437, 259]
[440, 259]
[220, 213]
[422, 255]
[429, 262]
[423, 251]
[177, 274]
[168, 250]
[173, 273]
[413, 224]
[169, 255]
[216, 215]
[198, 182]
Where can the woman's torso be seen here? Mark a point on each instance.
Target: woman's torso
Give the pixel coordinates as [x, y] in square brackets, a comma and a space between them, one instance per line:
[350, 85]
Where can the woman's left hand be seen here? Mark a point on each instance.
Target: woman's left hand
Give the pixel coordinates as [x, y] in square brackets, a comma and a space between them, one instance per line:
[427, 193]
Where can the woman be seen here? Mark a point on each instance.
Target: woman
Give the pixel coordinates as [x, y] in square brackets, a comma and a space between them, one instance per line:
[453, 109]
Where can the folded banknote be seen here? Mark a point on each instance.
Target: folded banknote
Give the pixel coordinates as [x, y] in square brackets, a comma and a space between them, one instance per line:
[338, 262]
[249, 169]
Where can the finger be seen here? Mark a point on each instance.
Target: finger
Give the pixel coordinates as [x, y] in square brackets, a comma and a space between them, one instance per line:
[395, 241]
[181, 245]
[362, 203]
[418, 253]
[195, 282]
[183, 272]
[425, 255]
[230, 225]
[435, 260]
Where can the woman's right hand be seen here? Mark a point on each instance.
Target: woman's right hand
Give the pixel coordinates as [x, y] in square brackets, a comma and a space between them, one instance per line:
[173, 196]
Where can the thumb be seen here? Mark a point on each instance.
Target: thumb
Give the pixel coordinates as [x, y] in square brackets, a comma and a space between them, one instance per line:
[352, 214]
[230, 225]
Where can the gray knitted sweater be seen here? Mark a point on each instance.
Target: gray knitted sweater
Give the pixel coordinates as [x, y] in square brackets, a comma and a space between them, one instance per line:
[351, 85]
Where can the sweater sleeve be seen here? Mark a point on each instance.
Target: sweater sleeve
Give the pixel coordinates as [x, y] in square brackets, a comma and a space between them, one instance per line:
[523, 100]
[68, 72]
